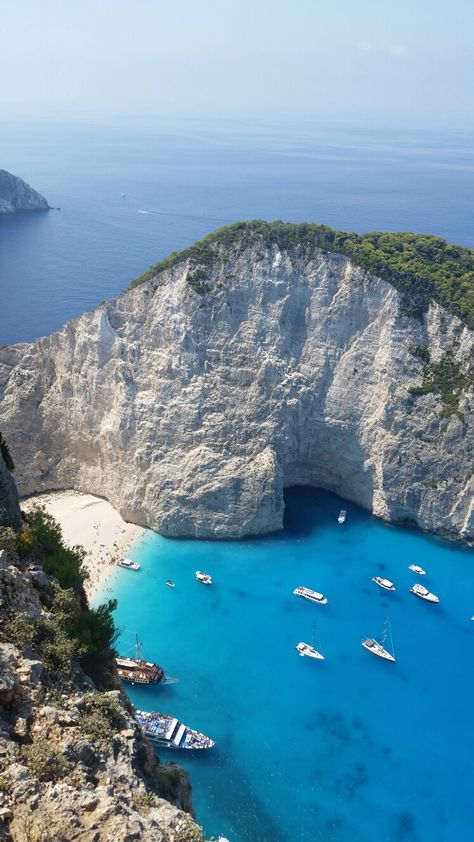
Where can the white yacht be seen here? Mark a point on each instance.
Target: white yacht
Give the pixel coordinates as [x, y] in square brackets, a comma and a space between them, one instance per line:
[128, 564]
[377, 648]
[342, 516]
[310, 652]
[204, 578]
[384, 583]
[424, 593]
[169, 732]
[417, 569]
[313, 596]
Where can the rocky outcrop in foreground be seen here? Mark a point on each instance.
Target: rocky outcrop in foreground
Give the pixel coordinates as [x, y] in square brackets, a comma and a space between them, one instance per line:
[193, 400]
[73, 763]
[17, 195]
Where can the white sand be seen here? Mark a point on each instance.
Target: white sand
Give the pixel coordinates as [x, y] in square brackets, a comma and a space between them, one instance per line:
[94, 524]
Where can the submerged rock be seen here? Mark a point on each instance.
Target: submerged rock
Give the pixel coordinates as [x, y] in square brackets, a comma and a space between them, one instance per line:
[16, 195]
[193, 400]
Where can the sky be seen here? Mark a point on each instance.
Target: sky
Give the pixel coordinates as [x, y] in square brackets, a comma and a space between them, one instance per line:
[371, 60]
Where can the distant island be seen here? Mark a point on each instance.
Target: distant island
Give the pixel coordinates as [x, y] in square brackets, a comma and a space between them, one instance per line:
[16, 196]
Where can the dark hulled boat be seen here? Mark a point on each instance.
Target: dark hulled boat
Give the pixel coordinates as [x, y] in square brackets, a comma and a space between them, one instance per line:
[138, 671]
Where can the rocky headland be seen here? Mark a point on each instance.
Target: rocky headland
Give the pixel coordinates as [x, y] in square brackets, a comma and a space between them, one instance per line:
[17, 196]
[73, 762]
[266, 356]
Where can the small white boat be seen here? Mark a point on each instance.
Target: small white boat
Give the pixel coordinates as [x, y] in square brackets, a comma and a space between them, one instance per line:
[417, 569]
[310, 652]
[384, 583]
[342, 516]
[377, 648]
[170, 583]
[128, 564]
[313, 596]
[204, 578]
[424, 593]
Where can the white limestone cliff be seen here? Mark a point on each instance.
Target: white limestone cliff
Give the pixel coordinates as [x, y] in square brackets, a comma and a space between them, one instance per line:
[191, 411]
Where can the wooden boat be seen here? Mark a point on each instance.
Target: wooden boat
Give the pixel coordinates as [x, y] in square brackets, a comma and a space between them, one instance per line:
[138, 671]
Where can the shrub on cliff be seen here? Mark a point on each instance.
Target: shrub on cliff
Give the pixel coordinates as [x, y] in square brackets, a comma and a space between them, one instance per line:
[45, 760]
[41, 536]
[101, 716]
[421, 267]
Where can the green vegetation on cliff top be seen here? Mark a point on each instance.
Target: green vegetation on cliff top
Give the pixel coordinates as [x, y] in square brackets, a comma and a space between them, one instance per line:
[421, 267]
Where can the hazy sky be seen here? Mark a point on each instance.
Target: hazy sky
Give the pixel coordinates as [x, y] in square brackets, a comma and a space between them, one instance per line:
[378, 60]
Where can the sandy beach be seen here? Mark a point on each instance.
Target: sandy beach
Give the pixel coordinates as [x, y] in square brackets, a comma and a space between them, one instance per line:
[94, 524]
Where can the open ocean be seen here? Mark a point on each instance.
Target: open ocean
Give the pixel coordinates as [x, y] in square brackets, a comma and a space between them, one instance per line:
[190, 179]
[351, 749]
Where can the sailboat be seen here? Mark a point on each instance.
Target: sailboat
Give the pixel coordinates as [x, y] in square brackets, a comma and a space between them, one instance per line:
[379, 648]
[138, 671]
[304, 649]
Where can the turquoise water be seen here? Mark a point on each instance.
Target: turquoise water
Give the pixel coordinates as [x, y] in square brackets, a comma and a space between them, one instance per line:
[349, 749]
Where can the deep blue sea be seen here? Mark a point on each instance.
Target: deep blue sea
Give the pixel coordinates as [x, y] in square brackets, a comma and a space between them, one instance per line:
[350, 749]
[191, 178]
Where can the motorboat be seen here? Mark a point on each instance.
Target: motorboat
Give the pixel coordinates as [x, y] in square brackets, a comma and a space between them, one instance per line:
[138, 671]
[312, 596]
[170, 583]
[128, 564]
[169, 732]
[424, 593]
[204, 578]
[417, 569]
[342, 516]
[384, 583]
[377, 648]
[304, 649]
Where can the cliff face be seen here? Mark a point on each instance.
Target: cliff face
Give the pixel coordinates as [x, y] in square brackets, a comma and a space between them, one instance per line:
[9, 506]
[193, 400]
[66, 774]
[17, 195]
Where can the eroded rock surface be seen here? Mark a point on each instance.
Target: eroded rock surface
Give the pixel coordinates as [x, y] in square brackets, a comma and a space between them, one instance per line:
[193, 400]
[17, 195]
[57, 781]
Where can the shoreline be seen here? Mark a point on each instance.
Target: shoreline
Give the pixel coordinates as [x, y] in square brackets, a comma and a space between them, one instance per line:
[94, 524]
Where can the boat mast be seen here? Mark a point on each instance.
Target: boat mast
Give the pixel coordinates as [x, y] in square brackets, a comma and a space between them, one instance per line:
[138, 649]
[391, 638]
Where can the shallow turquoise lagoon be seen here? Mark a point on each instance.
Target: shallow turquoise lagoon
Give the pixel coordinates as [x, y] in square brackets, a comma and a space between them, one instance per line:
[351, 748]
